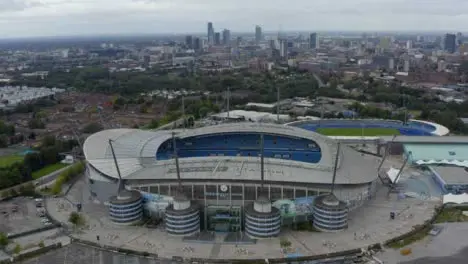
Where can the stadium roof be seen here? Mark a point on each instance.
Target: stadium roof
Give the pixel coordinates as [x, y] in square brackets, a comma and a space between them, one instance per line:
[136, 150]
[456, 154]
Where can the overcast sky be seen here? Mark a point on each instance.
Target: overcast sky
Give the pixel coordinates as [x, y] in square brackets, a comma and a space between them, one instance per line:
[25, 18]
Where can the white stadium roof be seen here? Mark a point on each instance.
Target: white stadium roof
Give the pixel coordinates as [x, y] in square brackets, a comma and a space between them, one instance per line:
[136, 155]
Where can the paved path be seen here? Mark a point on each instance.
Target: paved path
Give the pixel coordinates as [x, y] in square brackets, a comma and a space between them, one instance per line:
[449, 247]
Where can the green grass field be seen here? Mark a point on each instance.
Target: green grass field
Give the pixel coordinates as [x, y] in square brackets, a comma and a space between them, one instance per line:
[357, 132]
[6, 161]
[48, 170]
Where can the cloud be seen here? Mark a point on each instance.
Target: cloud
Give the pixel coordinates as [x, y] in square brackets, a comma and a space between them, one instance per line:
[89, 17]
[17, 5]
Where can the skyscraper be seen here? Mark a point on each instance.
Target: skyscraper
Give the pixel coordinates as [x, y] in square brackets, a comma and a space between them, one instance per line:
[189, 42]
[409, 44]
[313, 41]
[210, 33]
[450, 44]
[283, 48]
[258, 34]
[226, 37]
[197, 44]
[217, 38]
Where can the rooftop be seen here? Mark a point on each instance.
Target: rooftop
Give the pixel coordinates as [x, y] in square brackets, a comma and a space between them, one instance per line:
[437, 152]
[452, 175]
[135, 151]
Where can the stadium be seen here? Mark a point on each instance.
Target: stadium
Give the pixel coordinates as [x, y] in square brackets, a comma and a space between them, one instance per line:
[372, 127]
[220, 171]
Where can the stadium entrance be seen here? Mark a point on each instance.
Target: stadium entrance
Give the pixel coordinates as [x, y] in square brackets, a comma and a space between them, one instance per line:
[223, 218]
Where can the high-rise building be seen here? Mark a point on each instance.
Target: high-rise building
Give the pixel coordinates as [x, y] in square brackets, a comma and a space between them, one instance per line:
[283, 48]
[258, 34]
[217, 38]
[313, 41]
[226, 37]
[272, 44]
[409, 44]
[450, 44]
[459, 38]
[198, 44]
[189, 42]
[210, 33]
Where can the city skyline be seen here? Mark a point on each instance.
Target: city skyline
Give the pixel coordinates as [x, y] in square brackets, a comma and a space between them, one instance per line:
[32, 18]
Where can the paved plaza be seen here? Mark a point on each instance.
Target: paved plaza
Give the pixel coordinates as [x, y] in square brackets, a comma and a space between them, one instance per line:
[449, 247]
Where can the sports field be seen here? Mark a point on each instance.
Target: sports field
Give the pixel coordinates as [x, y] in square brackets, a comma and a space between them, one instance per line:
[357, 132]
[6, 161]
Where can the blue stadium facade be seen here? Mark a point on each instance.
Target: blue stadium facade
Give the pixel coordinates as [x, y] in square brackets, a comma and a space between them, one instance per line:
[243, 145]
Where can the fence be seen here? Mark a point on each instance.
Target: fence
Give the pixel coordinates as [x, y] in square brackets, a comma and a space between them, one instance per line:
[32, 253]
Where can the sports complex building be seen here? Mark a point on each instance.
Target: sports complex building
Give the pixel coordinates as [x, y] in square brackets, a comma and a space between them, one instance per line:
[210, 178]
[221, 177]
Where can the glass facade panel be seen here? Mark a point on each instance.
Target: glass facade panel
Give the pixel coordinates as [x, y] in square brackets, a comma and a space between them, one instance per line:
[154, 189]
[199, 192]
[288, 193]
[249, 192]
[300, 193]
[312, 193]
[275, 193]
[236, 192]
[164, 189]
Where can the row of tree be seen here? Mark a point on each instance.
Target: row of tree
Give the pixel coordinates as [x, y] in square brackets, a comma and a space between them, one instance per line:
[48, 153]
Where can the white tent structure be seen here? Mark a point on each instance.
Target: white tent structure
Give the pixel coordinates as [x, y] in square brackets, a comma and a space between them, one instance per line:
[392, 174]
[455, 198]
[461, 163]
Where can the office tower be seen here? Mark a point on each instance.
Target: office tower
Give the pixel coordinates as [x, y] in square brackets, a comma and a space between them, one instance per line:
[258, 34]
[272, 44]
[313, 41]
[450, 43]
[189, 42]
[284, 48]
[210, 33]
[197, 44]
[409, 44]
[217, 38]
[226, 37]
[459, 38]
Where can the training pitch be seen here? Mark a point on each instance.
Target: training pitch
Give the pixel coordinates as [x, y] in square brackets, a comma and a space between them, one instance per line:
[357, 132]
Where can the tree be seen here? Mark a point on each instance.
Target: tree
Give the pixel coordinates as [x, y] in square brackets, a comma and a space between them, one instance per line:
[92, 128]
[36, 124]
[17, 249]
[76, 219]
[3, 240]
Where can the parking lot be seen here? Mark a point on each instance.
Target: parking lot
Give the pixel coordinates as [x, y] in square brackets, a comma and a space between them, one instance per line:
[21, 214]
